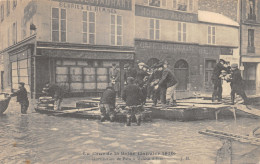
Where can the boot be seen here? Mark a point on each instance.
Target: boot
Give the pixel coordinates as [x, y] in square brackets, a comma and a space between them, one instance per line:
[128, 121]
[112, 118]
[138, 120]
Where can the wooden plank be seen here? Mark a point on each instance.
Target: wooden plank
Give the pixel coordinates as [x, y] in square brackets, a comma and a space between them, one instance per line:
[248, 109]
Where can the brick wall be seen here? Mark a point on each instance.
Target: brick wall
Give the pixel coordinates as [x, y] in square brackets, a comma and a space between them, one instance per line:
[225, 7]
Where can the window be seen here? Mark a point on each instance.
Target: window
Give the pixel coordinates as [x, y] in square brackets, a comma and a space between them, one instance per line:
[88, 27]
[209, 67]
[251, 14]
[182, 32]
[7, 7]
[154, 29]
[251, 40]
[14, 40]
[58, 25]
[2, 12]
[157, 3]
[116, 30]
[211, 35]
[183, 5]
[14, 3]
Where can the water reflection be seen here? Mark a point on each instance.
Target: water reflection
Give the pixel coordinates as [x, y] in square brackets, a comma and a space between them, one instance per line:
[47, 139]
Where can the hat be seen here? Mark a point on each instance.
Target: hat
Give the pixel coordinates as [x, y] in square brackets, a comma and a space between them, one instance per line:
[114, 64]
[222, 60]
[141, 64]
[165, 62]
[130, 80]
[235, 65]
[21, 83]
[126, 65]
[160, 64]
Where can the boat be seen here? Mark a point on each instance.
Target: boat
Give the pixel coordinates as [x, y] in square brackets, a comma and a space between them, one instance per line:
[4, 102]
[236, 148]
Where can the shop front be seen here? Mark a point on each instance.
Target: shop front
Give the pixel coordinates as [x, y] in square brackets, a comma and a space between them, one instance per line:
[80, 71]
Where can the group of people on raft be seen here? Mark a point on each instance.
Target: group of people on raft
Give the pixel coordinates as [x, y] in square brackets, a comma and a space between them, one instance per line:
[157, 83]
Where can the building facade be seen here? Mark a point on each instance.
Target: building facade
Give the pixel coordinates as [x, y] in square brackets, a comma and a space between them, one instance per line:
[189, 39]
[74, 43]
[247, 13]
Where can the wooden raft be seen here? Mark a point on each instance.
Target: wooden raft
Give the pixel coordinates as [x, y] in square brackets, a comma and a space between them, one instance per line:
[232, 137]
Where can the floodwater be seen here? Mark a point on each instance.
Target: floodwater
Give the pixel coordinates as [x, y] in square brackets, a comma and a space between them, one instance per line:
[39, 138]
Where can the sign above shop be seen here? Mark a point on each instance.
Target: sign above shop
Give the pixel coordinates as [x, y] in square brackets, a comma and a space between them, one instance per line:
[152, 12]
[116, 4]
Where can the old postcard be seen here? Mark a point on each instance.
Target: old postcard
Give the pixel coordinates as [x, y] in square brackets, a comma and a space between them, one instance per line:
[130, 81]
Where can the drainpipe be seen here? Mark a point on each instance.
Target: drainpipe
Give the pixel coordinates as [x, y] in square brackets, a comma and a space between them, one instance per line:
[240, 35]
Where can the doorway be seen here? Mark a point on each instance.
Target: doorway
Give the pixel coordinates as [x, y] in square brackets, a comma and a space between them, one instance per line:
[181, 71]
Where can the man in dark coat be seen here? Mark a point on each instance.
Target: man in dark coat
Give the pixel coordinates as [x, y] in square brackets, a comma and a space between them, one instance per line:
[55, 92]
[132, 95]
[115, 78]
[22, 98]
[216, 80]
[154, 80]
[237, 86]
[107, 104]
[140, 80]
[129, 71]
[169, 78]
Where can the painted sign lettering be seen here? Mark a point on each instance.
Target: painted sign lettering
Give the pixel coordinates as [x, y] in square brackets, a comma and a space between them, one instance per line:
[116, 4]
[151, 12]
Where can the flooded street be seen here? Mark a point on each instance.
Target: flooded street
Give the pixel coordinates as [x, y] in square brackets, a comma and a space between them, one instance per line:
[39, 138]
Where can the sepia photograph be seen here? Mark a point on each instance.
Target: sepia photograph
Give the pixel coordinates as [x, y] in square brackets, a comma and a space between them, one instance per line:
[130, 81]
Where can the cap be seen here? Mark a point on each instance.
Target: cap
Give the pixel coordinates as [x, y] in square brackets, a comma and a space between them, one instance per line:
[160, 64]
[222, 60]
[113, 64]
[126, 65]
[235, 65]
[165, 62]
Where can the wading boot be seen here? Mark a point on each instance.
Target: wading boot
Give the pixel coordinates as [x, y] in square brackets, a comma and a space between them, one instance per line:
[138, 120]
[103, 118]
[112, 118]
[128, 121]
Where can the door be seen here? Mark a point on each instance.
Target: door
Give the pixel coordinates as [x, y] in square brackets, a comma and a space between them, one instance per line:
[181, 71]
[209, 67]
[2, 80]
[250, 76]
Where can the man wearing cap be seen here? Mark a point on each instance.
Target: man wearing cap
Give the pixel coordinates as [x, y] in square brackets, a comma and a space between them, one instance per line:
[132, 95]
[129, 71]
[154, 80]
[107, 104]
[140, 79]
[22, 98]
[115, 78]
[216, 80]
[56, 92]
[237, 86]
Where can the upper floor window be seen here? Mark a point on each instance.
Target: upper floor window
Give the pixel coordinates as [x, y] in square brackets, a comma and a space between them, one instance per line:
[89, 27]
[183, 5]
[154, 29]
[14, 3]
[251, 14]
[211, 35]
[58, 25]
[2, 12]
[251, 38]
[157, 3]
[14, 33]
[182, 32]
[7, 7]
[116, 32]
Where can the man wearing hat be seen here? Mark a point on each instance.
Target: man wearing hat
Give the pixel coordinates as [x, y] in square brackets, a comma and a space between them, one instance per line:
[140, 78]
[237, 86]
[216, 80]
[22, 97]
[115, 78]
[133, 96]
